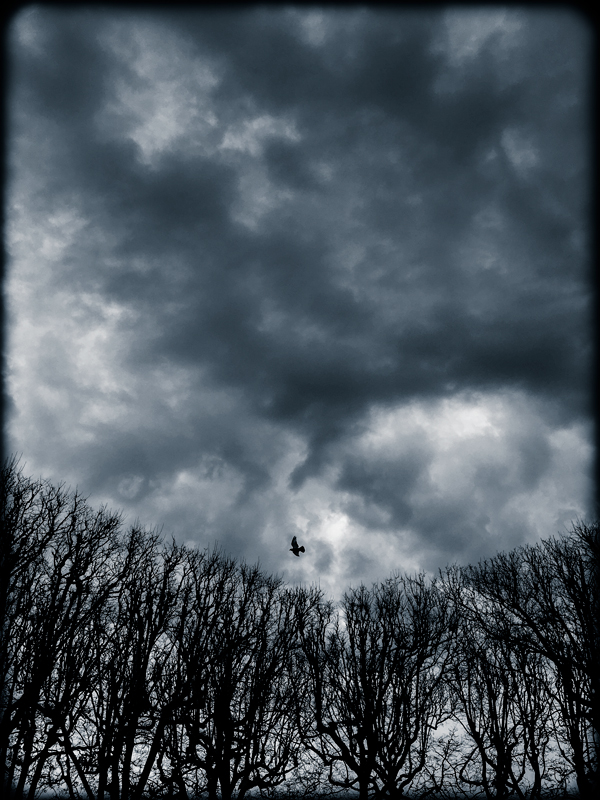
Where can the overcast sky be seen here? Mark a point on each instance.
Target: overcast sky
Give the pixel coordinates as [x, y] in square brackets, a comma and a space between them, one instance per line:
[305, 271]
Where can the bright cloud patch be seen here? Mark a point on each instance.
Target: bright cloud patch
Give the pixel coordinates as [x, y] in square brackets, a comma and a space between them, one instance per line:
[162, 98]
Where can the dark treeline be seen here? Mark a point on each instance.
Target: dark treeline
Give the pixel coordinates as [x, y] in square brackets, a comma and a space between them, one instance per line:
[136, 668]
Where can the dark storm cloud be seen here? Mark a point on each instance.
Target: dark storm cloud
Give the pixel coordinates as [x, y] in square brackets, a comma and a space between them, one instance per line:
[422, 234]
[388, 488]
[185, 204]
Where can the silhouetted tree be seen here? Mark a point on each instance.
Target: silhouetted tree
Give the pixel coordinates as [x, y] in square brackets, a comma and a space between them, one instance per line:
[546, 604]
[240, 723]
[135, 697]
[504, 707]
[374, 679]
[203, 587]
[61, 579]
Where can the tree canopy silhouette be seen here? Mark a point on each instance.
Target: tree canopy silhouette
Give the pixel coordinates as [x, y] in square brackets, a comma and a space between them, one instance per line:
[136, 667]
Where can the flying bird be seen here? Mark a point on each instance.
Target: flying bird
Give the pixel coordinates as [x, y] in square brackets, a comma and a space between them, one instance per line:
[295, 549]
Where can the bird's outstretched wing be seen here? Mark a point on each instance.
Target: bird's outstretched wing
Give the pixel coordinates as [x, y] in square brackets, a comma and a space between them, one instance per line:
[294, 543]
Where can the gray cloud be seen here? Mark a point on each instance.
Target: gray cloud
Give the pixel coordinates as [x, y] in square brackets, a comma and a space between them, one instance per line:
[239, 239]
